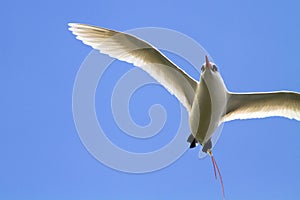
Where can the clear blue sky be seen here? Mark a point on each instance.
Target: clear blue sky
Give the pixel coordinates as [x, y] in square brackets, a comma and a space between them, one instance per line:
[255, 44]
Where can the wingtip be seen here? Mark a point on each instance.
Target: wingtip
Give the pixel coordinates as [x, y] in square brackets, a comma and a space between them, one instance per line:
[71, 24]
[75, 25]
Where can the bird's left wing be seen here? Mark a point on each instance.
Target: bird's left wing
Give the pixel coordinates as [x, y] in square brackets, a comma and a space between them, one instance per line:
[261, 105]
[131, 49]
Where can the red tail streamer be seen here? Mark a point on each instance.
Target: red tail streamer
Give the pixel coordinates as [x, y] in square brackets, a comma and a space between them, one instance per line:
[219, 173]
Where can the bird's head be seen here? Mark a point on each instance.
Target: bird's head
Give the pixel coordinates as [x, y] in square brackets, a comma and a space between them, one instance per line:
[209, 66]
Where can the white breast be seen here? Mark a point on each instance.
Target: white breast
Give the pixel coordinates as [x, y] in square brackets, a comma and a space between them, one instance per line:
[208, 106]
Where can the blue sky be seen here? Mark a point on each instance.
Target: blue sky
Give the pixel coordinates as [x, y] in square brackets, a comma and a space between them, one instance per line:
[256, 46]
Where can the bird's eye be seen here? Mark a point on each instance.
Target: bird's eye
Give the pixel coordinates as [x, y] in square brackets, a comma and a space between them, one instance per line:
[202, 68]
[214, 68]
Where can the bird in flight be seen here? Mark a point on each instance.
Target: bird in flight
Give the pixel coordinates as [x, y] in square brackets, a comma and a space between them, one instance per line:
[207, 101]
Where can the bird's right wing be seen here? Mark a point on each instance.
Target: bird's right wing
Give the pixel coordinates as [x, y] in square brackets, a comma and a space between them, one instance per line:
[133, 50]
[261, 105]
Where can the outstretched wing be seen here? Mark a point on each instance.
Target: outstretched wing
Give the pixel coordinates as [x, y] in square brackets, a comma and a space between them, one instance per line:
[133, 50]
[261, 105]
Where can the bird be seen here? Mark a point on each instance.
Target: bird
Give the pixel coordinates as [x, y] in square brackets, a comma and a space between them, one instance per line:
[208, 102]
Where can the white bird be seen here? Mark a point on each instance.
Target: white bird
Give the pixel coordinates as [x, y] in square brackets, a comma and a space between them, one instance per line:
[208, 102]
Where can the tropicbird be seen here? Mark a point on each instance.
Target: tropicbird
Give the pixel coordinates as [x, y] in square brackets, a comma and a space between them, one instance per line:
[208, 101]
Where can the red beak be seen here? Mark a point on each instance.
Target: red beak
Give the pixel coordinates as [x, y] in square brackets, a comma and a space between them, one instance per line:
[207, 62]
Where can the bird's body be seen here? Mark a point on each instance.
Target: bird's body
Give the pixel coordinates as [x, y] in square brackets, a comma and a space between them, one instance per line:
[208, 101]
[208, 106]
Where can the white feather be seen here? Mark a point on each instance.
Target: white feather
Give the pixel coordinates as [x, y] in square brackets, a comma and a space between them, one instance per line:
[133, 50]
[261, 105]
